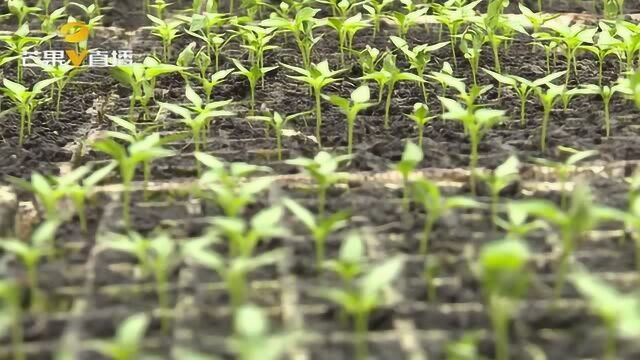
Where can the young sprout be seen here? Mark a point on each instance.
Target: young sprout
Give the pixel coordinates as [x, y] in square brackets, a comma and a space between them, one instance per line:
[389, 76]
[215, 42]
[443, 76]
[21, 10]
[502, 268]
[368, 58]
[320, 228]
[217, 78]
[435, 205]
[565, 169]
[31, 254]
[253, 340]
[516, 225]
[323, 170]
[232, 270]
[62, 73]
[49, 21]
[127, 342]
[301, 27]
[613, 9]
[476, 124]
[618, 311]
[605, 46]
[18, 44]
[404, 22]
[277, 122]
[548, 99]
[453, 15]
[606, 93]
[351, 261]
[317, 76]
[160, 6]
[367, 294]
[471, 44]
[347, 29]
[375, 9]
[204, 114]
[26, 101]
[583, 215]
[523, 87]
[572, 38]
[418, 57]
[351, 107]
[256, 39]
[11, 301]
[411, 157]
[504, 175]
[128, 158]
[231, 190]
[421, 117]
[537, 20]
[253, 75]
[167, 31]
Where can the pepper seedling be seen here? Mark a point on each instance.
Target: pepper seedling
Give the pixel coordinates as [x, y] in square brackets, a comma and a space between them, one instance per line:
[323, 169]
[366, 296]
[358, 101]
[316, 76]
[435, 205]
[504, 175]
[347, 29]
[253, 75]
[351, 261]
[605, 93]
[11, 301]
[516, 225]
[21, 10]
[375, 9]
[471, 42]
[127, 342]
[618, 312]
[502, 269]
[167, 31]
[26, 101]
[411, 157]
[277, 122]
[321, 228]
[63, 74]
[405, 22]
[18, 44]
[421, 118]
[572, 37]
[548, 99]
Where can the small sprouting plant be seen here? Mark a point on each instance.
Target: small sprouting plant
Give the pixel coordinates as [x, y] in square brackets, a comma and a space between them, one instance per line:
[320, 228]
[359, 301]
[504, 175]
[605, 46]
[358, 101]
[502, 268]
[516, 225]
[537, 20]
[323, 170]
[411, 157]
[418, 57]
[565, 169]
[347, 29]
[167, 31]
[62, 73]
[253, 340]
[30, 254]
[605, 93]
[301, 27]
[613, 9]
[277, 122]
[548, 99]
[11, 301]
[404, 22]
[214, 41]
[368, 58]
[572, 38]
[618, 311]
[232, 270]
[253, 75]
[317, 76]
[127, 342]
[375, 9]
[454, 15]
[20, 9]
[435, 205]
[351, 260]
[471, 44]
[421, 118]
[18, 44]
[523, 87]
[256, 40]
[128, 158]
[228, 185]
[443, 76]
[26, 101]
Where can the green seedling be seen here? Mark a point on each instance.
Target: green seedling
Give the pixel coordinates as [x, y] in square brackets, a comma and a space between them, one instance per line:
[421, 118]
[26, 101]
[471, 43]
[495, 27]
[127, 342]
[468, 97]
[443, 76]
[548, 99]
[411, 157]
[613, 9]
[204, 114]
[253, 340]
[63, 74]
[366, 296]
[49, 20]
[217, 78]
[21, 10]
[564, 170]
[418, 57]
[128, 158]
[405, 22]
[323, 170]
[167, 31]
[233, 271]
[256, 40]
[465, 348]
[229, 186]
[435, 205]
[301, 27]
[92, 16]
[618, 311]
[351, 261]
[572, 38]
[160, 6]
[156, 256]
[582, 216]
[605, 93]
[628, 44]
[476, 123]
[454, 16]
[215, 43]
[18, 44]
[277, 122]
[605, 46]
[30, 255]
[253, 75]
[537, 20]
[388, 77]
[141, 78]
[358, 101]
[523, 87]
[516, 225]
[243, 238]
[11, 301]
[375, 9]
[320, 228]
[504, 175]
[347, 29]
[368, 59]
[317, 76]
[502, 268]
